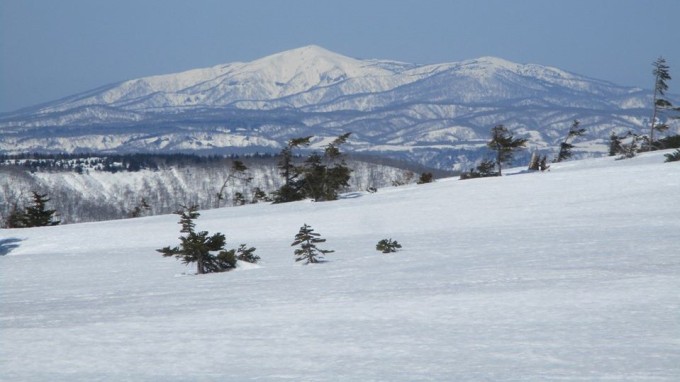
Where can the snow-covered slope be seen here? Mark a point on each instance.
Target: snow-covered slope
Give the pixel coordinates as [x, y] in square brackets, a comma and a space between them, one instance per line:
[436, 114]
[91, 195]
[571, 274]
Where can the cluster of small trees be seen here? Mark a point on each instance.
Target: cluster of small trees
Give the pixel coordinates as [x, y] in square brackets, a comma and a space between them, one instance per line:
[320, 176]
[505, 145]
[112, 163]
[34, 215]
[210, 256]
[630, 143]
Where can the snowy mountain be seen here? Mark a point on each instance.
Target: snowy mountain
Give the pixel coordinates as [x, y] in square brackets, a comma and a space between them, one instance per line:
[438, 115]
[569, 275]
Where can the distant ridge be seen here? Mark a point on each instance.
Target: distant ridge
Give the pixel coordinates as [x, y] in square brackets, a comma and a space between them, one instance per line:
[438, 115]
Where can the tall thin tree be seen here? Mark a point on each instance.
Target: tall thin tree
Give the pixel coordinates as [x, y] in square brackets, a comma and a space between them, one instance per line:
[291, 189]
[661, 76]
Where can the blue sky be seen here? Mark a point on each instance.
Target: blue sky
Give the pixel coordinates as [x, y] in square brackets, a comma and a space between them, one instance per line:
[51, 49]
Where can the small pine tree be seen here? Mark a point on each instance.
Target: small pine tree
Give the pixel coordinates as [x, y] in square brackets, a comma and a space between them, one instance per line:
[260, 196]
[307, 239]
[37, 214]
[630, 149]
[196, 247]
[387, 246]
[614, 144]
[505, 145]
[565, 146]
[483, 170]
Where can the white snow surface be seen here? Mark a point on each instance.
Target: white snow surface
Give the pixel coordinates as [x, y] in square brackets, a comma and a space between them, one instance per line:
[572, 274]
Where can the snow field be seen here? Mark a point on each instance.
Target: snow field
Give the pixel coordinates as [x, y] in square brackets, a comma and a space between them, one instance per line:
[567, 275]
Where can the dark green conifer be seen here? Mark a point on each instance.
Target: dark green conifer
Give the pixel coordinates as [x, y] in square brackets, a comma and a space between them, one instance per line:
[196, 247]
[565, 146]
[325, 176]
[307, 239]
[505, 145]
[37, 214]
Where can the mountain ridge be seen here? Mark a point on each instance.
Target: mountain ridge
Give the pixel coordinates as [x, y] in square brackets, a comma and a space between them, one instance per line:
[436, 114]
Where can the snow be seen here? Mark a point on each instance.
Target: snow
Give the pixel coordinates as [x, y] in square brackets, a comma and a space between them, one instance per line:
[572, 274]
[313, 91]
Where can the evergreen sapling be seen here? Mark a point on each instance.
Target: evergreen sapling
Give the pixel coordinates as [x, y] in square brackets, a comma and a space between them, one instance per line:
[307, 239]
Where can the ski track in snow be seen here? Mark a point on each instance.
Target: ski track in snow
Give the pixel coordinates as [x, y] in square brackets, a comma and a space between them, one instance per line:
[571, 274]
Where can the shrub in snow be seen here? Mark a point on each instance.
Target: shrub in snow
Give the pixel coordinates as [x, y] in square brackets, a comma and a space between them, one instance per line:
[387, 246]
[260, 196]
[673, 157]
[307, 239]
[140, 209]
[483, 170]
[198, 247]
[426, 177]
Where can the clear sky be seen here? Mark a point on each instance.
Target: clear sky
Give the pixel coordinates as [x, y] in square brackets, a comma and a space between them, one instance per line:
[54, 48]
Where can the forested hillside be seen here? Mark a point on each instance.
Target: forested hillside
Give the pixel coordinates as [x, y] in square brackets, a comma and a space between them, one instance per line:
[92, 188]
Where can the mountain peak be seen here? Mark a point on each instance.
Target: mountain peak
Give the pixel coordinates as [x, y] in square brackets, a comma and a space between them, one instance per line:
[311, 50]
[301, 68]
[490, 63]
[306, 56]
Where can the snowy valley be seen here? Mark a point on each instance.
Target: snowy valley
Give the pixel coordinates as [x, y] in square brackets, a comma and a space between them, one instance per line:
[570, 274]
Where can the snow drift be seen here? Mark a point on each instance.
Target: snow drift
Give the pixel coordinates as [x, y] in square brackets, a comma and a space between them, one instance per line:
[571, 274]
